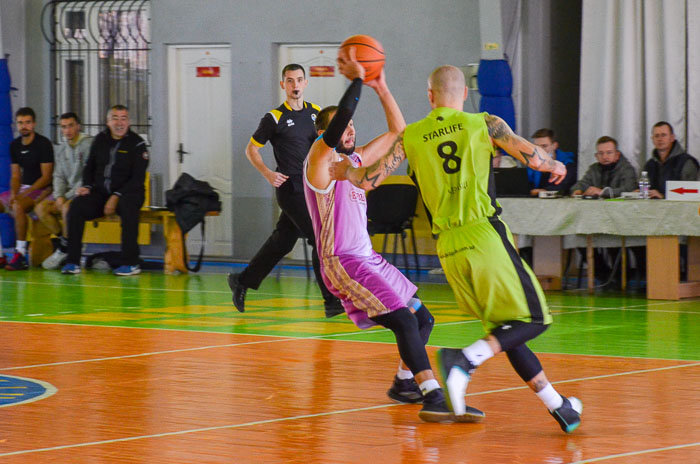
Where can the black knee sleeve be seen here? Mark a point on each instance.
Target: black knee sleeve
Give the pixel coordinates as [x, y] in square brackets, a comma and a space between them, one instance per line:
[514, 333]
[405, 327]
[524, 362]
[426, 321]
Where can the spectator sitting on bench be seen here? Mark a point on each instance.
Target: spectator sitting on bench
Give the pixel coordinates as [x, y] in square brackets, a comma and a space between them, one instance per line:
[70, 159]
[31, 156]
[113, 182]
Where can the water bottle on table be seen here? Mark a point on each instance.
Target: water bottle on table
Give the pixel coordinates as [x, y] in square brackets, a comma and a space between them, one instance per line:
[644, 186]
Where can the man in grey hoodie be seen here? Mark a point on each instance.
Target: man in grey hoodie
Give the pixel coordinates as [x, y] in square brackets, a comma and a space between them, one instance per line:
[610, 176]
[668, 161]
[70, 159]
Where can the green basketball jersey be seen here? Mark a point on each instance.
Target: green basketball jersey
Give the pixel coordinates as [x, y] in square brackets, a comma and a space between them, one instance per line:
[450, 151]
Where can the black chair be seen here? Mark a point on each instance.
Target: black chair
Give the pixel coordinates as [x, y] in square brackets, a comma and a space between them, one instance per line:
[390, 210]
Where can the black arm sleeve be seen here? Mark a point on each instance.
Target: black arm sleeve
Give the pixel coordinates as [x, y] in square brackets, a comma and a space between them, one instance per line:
[343, 115]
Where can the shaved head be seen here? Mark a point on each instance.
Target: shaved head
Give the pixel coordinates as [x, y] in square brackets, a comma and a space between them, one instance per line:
[447, 82]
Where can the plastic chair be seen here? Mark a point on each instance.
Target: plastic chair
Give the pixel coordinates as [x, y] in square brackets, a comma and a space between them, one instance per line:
[390, 210]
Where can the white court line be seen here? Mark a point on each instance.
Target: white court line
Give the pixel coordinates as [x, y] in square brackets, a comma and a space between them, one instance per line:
[307, 416]
[637, 453]
[204, 429]
[277, 339]
[139, 355]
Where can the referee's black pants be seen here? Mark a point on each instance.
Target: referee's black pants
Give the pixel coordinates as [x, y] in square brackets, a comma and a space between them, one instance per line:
[91, 206]
[294, 222]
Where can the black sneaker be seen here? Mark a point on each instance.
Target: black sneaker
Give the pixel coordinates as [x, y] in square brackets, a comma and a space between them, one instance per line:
[435, 409]
[333, 307]
[238, 291]
[405, 391]
[455, 370]
[568, 414]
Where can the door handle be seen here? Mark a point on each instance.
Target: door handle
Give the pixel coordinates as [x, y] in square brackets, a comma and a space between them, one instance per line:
[180, 151]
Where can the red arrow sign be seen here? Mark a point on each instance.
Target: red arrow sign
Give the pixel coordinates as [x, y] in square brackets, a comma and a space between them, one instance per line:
[681, 190]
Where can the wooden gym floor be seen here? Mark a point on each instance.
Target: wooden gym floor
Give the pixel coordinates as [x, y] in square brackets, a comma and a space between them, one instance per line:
[163, 369]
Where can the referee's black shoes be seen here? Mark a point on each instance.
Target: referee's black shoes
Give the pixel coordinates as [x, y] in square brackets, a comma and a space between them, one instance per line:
[238, 290]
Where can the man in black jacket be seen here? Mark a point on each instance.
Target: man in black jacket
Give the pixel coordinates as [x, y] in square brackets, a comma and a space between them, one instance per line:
[669, 160]
[113, 182]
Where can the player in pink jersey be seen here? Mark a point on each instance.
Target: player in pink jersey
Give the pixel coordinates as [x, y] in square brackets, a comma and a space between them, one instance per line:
[372, 290]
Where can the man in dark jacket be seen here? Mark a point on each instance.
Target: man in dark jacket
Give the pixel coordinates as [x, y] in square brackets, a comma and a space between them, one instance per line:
[668, 161]
[607, 178]
[113, 182]
[610, 176]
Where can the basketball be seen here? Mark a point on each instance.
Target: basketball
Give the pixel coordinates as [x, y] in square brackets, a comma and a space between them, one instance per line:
[369, 53]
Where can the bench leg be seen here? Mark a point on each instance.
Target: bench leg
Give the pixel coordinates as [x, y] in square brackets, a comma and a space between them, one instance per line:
[41, 246]
[174, 259]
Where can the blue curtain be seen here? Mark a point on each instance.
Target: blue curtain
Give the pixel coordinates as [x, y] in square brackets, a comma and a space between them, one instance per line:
[7, 229]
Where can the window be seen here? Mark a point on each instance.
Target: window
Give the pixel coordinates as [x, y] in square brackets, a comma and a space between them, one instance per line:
[100, 58]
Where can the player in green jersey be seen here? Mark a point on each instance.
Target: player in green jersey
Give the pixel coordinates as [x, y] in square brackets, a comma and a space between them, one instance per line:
[450, 153]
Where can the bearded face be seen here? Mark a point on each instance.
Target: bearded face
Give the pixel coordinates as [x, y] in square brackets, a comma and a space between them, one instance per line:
[345, 149]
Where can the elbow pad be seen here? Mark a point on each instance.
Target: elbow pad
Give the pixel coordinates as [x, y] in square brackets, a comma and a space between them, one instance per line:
[343, 115]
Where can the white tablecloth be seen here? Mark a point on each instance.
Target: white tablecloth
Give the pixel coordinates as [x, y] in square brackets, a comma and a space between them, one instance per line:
[605, 220]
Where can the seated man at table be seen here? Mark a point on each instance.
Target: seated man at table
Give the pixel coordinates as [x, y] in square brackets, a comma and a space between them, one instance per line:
[669, 160]
[611, 175]
[539, 181]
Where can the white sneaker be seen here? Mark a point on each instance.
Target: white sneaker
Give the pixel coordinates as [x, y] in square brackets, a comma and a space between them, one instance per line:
[55, 260]
[101, 265]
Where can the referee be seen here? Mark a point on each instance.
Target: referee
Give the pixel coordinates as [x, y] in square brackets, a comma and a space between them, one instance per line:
[290, 130]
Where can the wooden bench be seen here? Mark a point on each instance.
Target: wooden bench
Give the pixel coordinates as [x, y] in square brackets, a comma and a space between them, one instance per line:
[174, 258]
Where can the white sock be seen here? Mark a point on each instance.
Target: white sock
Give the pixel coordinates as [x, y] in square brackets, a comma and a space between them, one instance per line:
[404, 374]
[478, 352]
[21, 247]
[550, 397]
[428, 386]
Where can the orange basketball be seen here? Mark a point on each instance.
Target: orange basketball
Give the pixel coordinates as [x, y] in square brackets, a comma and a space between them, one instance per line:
[369, 53]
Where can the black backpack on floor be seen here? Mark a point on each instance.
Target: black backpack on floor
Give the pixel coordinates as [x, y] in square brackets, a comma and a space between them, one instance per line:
[190, 200]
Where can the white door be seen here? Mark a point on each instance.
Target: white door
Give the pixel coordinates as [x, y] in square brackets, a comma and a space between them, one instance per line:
[326, 84]
[199, 85]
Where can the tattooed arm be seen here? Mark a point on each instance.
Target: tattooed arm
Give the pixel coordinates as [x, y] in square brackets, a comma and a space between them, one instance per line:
[370, 177]
[531, 155]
